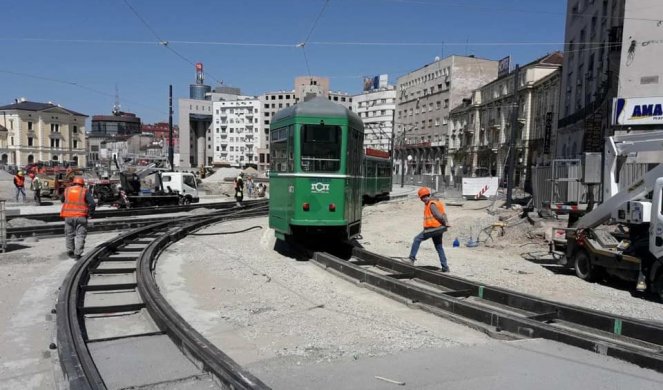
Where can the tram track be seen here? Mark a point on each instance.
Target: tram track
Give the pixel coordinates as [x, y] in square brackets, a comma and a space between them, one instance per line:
[97, 225]
[115, 329]
[503, 313]
[119, 213]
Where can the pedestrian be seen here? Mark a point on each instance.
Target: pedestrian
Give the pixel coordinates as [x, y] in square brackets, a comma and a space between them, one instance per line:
[35, 186]
[77, 207]
[261, 190]
[249, 186]
[435, 224]
[239, 188]
[19, 183]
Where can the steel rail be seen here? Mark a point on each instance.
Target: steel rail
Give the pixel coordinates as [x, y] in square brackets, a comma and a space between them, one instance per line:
[183, 334]
[55, 217]
[77, 363]
[497, 310]
[104, 226]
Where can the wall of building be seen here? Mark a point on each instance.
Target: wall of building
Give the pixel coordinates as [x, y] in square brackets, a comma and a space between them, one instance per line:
[47, 135]
[236, 132]
[641, 72]
[376, 109]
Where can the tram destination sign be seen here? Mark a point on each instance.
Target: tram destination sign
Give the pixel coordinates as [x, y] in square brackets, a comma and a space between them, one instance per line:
[637, 111]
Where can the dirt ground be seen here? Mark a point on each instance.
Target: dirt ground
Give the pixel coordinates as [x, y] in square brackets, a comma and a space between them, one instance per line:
[517, 260]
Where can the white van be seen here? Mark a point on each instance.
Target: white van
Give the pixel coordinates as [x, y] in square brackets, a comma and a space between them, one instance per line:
[182, 183]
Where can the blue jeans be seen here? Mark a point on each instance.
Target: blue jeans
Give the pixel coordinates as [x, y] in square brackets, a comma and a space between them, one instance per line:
[20, 191]
[437, 241]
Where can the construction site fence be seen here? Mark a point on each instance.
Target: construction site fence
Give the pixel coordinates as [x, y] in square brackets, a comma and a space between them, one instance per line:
[563, 185]
[437, 183]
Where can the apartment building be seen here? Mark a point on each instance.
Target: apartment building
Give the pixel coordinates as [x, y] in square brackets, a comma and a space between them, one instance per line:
[480, 128]
[593, 37]
[376, 108]
[424, 98]
[32, 132]
[235, 137]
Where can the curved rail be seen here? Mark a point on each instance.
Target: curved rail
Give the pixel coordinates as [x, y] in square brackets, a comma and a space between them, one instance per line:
[55, 217]
[88, 329]
[57, 229]
[495, 309]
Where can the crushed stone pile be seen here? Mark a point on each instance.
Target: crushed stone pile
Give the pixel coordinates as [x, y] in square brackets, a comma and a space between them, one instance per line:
[24, 222]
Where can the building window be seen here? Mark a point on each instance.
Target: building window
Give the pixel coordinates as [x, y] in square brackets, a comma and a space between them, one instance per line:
[75, 130]
[29, 126]
[75, 144]
[55, 128]
[29, 140]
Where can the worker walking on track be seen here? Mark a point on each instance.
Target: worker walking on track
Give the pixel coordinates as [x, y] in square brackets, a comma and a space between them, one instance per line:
[77, 207]
[435, 224]
[19, 183]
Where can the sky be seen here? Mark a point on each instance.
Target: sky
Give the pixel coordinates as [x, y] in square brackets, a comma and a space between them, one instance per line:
[76, 53]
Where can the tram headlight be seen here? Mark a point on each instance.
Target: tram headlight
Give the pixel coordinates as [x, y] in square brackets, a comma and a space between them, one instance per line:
[306, 207]
[332, 207]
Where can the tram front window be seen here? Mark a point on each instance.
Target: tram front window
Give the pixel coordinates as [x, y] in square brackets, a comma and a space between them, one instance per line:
[321, 148]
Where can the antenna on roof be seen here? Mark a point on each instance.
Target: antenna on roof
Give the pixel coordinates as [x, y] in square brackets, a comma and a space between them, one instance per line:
[116, 105]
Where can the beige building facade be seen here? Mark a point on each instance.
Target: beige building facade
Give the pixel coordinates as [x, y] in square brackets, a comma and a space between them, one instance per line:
[481, 127]
[424, 99]
[31, 132]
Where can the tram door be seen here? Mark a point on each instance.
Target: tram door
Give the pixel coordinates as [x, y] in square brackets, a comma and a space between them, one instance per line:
[354, 181]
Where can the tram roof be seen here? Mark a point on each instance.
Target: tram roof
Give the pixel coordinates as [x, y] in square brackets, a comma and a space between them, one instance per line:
[319, 106]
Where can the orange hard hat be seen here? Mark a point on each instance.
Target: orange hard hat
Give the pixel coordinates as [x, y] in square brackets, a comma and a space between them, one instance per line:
[79, 180]
[423, 191]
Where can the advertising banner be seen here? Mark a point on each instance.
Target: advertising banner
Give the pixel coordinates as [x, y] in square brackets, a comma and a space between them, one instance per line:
[504, 66]
[637, 111]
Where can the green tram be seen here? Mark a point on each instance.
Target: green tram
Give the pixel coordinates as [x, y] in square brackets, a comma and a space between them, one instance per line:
[316, 156]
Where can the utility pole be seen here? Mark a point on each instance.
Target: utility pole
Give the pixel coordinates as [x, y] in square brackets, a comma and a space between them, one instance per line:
[171, 153]
[512, 140]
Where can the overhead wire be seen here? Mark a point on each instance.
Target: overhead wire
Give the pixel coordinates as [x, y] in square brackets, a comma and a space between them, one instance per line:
[78, 85]
[161, 41]
[303, 44]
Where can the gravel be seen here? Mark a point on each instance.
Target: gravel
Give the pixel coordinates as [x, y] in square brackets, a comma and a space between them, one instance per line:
[259, 305]
[388, 229]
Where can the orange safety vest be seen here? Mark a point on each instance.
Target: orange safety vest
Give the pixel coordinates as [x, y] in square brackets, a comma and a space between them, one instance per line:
[19, 180]
[429, 218]
[74, 203]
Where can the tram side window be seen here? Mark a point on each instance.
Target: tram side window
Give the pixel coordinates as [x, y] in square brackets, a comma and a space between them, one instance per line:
[279, 150]
[321, 148]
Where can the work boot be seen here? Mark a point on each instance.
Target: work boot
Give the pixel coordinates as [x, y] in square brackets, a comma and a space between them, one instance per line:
[411, 260]
[642, 284]
[71, 255]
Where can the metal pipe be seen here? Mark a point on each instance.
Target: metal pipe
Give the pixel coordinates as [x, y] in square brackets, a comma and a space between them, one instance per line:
[171, 154]
[512, 141]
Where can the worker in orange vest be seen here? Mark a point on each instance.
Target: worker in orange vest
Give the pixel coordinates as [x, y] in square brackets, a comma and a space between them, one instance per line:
[77, 207]
[19, 183]
[435, 224]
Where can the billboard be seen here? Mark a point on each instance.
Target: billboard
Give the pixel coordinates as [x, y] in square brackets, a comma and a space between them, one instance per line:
[504, 66]
[637, 111]
[375, 82]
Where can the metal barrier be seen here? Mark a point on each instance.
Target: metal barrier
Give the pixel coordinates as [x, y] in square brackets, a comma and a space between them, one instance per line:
[565, 185]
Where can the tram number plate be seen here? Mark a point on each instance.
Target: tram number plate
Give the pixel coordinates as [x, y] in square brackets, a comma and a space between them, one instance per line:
[291, 189]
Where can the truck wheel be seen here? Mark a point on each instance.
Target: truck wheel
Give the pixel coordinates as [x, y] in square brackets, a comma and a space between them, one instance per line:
[583, 266]
[185, 201]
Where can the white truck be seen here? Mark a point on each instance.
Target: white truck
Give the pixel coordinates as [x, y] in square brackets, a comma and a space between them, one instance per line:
[635, 251]
[167, 188]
